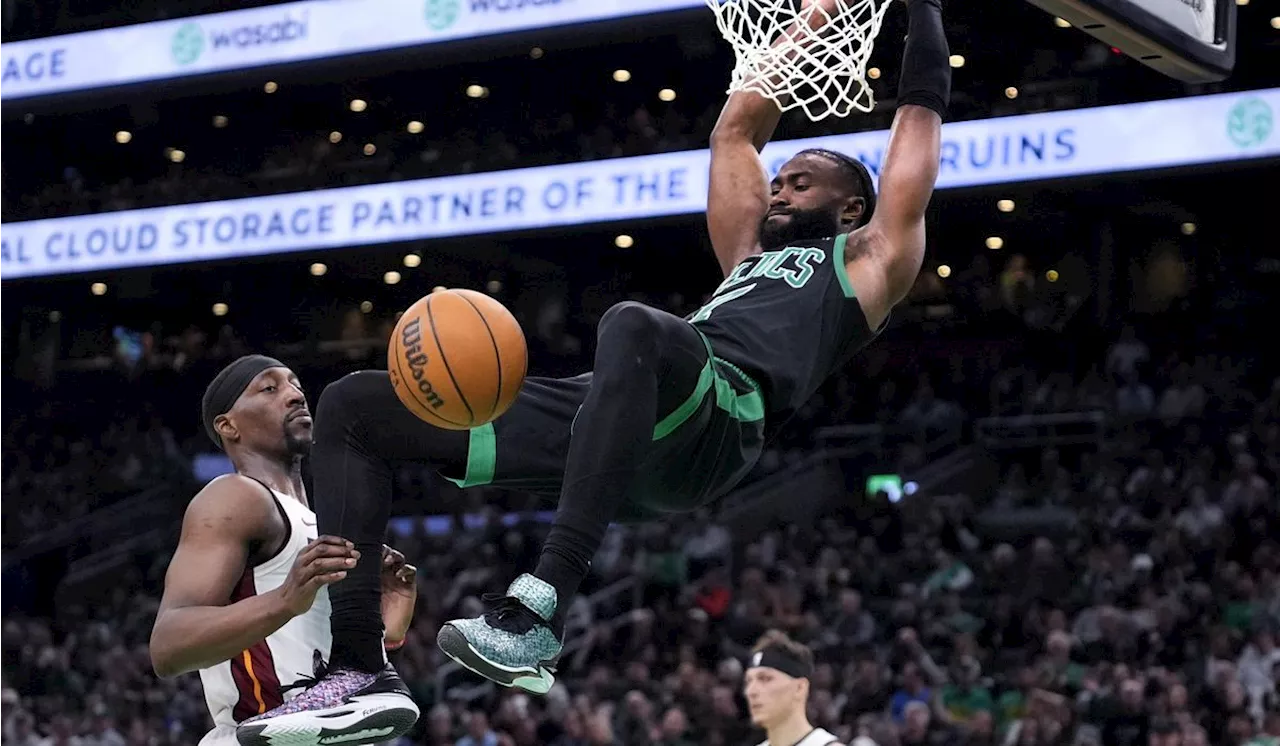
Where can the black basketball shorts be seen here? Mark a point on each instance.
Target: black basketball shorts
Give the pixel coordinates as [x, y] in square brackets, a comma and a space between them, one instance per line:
[709, 435]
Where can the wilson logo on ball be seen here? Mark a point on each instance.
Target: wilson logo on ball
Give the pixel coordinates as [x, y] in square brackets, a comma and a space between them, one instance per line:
[411, 338]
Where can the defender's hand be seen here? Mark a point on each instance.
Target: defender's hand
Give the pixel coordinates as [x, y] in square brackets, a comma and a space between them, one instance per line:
[399, 594]
[323, 561]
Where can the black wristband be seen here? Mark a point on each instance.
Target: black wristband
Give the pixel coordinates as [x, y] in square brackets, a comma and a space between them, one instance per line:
[926, 61]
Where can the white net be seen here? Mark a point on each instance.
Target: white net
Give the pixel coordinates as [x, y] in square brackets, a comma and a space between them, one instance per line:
[803, 57]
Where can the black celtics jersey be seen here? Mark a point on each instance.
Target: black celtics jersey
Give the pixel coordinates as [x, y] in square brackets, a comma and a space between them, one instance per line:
[789, 319]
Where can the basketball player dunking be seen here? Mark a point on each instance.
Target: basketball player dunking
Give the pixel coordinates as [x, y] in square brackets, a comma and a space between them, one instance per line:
[777, 689]
[244, 598]
[676, 411]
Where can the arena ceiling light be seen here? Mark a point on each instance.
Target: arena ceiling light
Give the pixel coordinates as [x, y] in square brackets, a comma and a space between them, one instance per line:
[366, 306]
[944, 271]
[1005, 205]
[176, 155]
[391, 278]
[1051, 275]
[98, 288]
[335, 137]
[623, 241]
[358, 105]
[220, 121]
[412, 260]
[621, 76]
[1011, 92]
[667, 94]
[318, 269]
[873, 73]
[1275, 22]
[956, 60]
[995, 243]
[536, 53]
[415, 127]
[220, 309]
[1064, 23]
[493, 286]
[477, 91]
[1188, 229]
[370, 148]
[124, 136]
[270, 87]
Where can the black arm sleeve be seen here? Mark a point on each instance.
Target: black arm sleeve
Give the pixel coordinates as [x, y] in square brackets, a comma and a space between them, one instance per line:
[926, 65]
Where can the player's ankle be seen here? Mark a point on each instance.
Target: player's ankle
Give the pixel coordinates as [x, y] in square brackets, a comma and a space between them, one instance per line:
[358, 652]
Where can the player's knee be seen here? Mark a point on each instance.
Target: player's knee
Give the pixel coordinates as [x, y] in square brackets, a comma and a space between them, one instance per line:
[341, 401]
[631, 323]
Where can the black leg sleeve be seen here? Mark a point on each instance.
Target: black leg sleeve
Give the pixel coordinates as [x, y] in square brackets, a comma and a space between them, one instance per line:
[638, 349]
[360, 430]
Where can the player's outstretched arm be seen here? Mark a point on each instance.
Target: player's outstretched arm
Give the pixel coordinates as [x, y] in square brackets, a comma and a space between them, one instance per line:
[888, 252]
[738, 197]
[196, 626]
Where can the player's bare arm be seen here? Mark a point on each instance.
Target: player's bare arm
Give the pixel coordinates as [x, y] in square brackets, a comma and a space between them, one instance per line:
[885, 255]
[399, 595]
[738, 197]
[226, 523]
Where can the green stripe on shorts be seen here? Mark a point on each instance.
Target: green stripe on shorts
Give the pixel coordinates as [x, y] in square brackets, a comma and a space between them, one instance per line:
[748, 407]
[482, 457]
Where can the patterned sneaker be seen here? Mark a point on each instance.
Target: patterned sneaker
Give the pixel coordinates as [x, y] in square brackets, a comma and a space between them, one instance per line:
[345, 706]
[514, 643]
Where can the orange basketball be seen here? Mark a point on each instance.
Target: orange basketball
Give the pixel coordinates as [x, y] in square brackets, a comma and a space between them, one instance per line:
[457, 359]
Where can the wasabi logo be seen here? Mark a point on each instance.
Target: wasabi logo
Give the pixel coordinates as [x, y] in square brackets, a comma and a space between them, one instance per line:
[190, 40]
[1249, 123]
[441, 14]
[187, 44]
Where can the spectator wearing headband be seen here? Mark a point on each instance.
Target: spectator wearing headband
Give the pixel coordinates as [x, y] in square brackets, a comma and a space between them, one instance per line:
[777, 692]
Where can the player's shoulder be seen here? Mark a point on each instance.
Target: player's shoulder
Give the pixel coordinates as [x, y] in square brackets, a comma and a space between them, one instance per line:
[231, 503]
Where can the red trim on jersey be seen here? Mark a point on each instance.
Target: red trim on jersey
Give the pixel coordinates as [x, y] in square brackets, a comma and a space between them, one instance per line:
[254, 670]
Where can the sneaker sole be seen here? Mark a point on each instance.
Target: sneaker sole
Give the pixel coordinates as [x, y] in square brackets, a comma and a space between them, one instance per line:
[311, 728]
[458, 648]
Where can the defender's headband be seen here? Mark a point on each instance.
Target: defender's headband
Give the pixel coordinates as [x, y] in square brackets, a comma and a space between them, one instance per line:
[779, 659]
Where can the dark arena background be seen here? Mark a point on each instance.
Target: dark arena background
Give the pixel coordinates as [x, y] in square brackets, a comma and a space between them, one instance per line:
[1044, 503]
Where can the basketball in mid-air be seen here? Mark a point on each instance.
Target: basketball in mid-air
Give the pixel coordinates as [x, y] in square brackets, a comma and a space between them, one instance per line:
[457, 359]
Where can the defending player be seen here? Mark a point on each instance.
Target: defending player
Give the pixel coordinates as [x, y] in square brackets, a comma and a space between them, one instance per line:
[776, 685]
[244, 598]
[676, 411]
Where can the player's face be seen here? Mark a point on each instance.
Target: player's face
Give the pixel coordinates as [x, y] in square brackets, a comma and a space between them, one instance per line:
[772, 695]
[271, 416]
[809, 199]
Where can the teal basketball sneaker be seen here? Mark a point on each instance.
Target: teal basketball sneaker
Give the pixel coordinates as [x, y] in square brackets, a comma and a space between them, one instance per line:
[516, 642]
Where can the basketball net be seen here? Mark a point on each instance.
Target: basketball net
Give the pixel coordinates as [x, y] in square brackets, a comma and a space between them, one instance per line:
[802, 59]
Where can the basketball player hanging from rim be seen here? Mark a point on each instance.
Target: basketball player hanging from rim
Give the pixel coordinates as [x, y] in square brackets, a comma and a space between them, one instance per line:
[679, 409]
[676, 410]
[244, 596]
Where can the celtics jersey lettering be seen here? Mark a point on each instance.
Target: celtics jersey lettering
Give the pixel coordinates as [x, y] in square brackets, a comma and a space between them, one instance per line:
[789, 319]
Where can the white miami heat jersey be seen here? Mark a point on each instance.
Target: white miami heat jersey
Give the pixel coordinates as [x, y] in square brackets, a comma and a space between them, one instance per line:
[816, 737]
[267, 674]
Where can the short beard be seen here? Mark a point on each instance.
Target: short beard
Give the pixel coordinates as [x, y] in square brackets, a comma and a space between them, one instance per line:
[295, 446]
[804, 225]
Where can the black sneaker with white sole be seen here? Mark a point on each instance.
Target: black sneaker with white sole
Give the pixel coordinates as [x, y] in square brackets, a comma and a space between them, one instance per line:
[344, 707]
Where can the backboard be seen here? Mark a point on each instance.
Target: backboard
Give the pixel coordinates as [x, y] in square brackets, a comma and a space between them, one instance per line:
[1191, 40]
